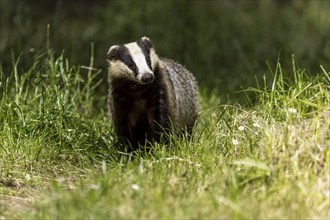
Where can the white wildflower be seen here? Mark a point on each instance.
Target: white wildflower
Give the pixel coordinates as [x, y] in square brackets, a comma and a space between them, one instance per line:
[241, 128]
[235, 141]
[292, 110]
[256, 125]
[135, 187]
[94, 186]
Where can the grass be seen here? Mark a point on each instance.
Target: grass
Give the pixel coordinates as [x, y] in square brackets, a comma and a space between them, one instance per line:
[58, 158]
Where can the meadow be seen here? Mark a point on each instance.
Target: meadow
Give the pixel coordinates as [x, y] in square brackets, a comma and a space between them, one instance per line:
[60, 161]
[260, 148]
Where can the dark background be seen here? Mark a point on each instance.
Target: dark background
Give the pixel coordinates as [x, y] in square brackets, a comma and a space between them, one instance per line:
[226, 44]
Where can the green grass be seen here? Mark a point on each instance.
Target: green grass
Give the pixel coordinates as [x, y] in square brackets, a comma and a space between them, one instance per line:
[58, 158]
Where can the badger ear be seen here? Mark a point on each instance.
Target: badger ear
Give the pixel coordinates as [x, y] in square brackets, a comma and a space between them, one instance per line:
[113, 52]
[147, 41]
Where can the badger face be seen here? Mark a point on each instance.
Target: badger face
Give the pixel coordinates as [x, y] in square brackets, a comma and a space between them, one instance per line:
[136, 60]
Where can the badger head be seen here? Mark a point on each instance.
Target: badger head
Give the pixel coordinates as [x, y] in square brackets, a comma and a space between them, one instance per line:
[136, 61]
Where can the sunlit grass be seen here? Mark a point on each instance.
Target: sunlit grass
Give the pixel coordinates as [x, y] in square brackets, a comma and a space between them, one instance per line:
[58, 158]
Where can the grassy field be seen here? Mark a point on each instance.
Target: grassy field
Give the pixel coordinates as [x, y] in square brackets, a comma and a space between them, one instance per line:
[270, 159]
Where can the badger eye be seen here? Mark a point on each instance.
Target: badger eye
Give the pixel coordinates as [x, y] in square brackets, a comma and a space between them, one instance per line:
[131, 65]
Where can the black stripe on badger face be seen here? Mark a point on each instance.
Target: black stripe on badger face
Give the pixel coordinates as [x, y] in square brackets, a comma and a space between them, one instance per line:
[145, 44]
[122, 53]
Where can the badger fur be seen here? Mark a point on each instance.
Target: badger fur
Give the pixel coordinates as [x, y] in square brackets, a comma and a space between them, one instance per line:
[149, 95]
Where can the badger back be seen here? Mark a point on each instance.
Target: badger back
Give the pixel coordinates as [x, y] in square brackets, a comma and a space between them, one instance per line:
[185, 95]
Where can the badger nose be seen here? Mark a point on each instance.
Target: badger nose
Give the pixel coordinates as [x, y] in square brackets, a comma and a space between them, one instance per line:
[147, 78]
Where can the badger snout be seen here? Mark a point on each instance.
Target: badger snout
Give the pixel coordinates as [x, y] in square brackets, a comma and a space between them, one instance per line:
[147, 78]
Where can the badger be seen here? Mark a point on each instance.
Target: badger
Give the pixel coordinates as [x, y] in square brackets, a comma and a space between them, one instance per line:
[148, 95]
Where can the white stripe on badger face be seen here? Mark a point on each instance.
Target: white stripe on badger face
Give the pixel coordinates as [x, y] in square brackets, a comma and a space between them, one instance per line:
[139, 60]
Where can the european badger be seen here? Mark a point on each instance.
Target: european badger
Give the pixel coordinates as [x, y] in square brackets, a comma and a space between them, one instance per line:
[149, 95]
